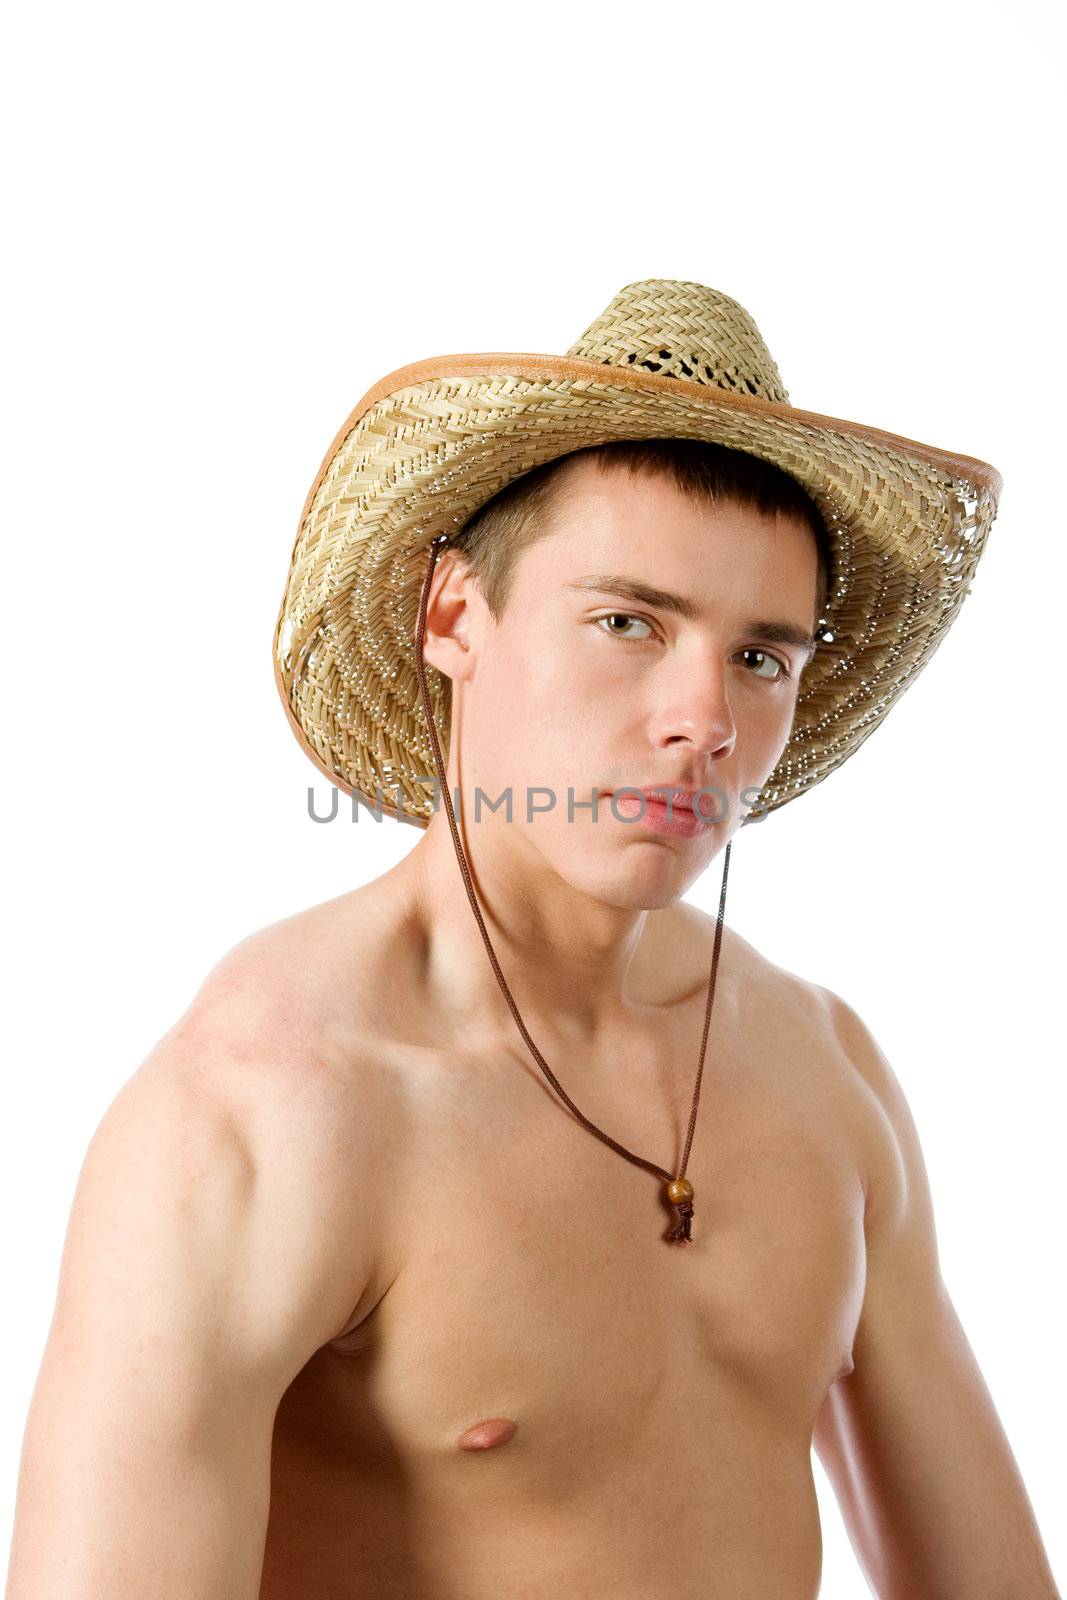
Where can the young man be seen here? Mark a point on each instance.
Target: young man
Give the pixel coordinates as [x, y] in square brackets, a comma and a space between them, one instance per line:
[352, 1304]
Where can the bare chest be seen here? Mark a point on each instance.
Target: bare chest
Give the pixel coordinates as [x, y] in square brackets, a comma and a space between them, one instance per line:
[535, 1293]
[537, 1281]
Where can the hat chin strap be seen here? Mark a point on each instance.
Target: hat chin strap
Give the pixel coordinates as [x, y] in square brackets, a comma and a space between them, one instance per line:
[678, 1191]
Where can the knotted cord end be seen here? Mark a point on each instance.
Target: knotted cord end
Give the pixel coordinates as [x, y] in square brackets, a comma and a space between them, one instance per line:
[683, 1229]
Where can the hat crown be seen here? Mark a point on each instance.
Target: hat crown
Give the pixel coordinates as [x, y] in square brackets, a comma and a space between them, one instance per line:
[683, 330]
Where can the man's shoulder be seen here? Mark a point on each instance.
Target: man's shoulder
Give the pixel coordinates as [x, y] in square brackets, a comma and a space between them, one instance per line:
[788, 1005]
[280, 1024]
[761, 979]
[270, 1104]
[294, 957]
[831, 1053]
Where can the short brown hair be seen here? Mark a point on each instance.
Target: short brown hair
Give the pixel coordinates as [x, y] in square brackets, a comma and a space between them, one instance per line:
[521, 513]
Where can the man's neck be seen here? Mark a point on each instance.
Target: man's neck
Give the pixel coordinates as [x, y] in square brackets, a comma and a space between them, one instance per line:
[588, 967]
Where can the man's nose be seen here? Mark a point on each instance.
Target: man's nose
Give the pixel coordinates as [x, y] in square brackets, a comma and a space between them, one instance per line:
[696, 710]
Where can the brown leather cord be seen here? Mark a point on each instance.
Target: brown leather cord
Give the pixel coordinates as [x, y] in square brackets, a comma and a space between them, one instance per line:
[679, 1189]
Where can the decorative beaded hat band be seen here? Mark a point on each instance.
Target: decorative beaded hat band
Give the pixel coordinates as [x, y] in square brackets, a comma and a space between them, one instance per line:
[430, 443]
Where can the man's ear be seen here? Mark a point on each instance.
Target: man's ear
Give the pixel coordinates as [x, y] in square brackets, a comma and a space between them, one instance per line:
[446, 641]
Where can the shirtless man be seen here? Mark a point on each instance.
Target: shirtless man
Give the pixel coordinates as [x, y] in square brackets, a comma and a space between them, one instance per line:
[352, 1308]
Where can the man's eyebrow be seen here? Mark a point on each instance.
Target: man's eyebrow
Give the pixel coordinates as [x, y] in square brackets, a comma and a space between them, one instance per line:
[681, 606]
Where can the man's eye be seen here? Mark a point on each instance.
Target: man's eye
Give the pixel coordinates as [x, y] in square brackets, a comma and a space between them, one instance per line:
[624, 617]
[782, 672]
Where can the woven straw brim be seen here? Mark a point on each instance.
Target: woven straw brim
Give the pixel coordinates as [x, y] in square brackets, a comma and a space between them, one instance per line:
[433, 441]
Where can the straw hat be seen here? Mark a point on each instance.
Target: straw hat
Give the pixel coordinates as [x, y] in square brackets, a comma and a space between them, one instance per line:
[433, 441]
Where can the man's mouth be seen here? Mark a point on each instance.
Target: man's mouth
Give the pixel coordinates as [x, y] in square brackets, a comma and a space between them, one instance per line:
[680, 799]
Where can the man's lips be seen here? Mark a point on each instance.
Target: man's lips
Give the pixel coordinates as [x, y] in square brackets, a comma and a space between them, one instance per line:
[680, 799]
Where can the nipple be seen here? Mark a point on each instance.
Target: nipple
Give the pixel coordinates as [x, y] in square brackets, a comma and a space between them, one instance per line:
[484, 1435]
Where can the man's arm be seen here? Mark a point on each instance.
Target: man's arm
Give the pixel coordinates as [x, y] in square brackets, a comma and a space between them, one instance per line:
[207, 1257]
[929, 1490]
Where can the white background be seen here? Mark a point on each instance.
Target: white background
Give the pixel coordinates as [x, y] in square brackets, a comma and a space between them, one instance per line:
[226, 223]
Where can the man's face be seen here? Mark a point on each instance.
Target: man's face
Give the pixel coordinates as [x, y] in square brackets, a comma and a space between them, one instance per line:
[581, 687]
